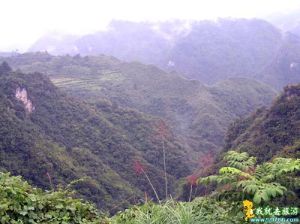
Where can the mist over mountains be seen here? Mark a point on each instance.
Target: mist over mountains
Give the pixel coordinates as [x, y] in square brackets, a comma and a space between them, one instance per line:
[287, 22]
[142, 111]
[202, 50]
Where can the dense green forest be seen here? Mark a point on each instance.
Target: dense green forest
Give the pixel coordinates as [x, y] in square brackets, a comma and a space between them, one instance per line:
[56, 139]
[182, 123]
[113, 157]
[270, 132]
[263, 170]
[198, 114]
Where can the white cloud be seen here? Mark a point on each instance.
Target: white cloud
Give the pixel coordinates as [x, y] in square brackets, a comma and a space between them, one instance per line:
[23, 21]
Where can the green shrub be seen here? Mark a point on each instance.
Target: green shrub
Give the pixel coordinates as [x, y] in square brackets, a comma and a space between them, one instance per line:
[22, 203]
[243, 179]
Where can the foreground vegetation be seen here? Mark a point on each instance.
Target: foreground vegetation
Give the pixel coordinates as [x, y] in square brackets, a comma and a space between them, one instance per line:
[88, 141]
[242, 179]
[21, 203]
[202, 210]
[271, 183]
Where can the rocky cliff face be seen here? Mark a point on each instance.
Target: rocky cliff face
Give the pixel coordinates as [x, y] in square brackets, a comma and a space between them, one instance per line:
[22, 95]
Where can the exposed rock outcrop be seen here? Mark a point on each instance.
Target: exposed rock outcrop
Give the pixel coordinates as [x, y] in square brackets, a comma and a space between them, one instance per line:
[22, 95]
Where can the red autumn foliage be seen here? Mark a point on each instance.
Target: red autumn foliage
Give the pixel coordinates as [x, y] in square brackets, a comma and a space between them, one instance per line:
[206, 161]
[192, 180]
[162, 130]
[138, 167]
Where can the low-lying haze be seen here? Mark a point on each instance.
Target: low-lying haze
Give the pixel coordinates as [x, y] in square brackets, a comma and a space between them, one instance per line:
[23, 22]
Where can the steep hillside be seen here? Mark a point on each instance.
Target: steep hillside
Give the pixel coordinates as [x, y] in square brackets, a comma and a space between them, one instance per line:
[199, 115]
[213, 51]
[50, 138]
[208, 51]
[285, 65]
[270, 132]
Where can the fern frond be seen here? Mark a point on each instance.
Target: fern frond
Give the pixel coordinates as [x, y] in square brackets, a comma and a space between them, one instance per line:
[249, 186]
[226, 179]
[236, 156]
[268, 191]
[265, 172]
[208, 180]
[240, 161]
[286, 165]
[231, 170]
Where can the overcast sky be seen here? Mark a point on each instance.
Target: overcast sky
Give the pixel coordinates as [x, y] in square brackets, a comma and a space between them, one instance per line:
[23, 21]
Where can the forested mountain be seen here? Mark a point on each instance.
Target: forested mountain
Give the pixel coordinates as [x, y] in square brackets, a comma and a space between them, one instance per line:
[50, 138]
[149, 112]
[271, 184]
[270, 132]
[213, 51]
[144, 42]
[209, 51]
[198, 114]
[123, 133]
[55, 41]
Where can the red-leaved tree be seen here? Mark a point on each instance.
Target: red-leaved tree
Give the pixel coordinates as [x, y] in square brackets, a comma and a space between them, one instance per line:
[139, 169]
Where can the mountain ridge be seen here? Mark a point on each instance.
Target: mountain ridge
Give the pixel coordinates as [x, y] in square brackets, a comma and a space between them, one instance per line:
[208, 51]
[272, 131]
[198, 114]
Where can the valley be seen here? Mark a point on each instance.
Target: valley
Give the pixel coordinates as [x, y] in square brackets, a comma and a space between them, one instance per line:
[177, 121]
[198, 114]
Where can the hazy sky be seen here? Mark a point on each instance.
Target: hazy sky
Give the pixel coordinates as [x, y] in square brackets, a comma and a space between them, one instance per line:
[24, 21]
